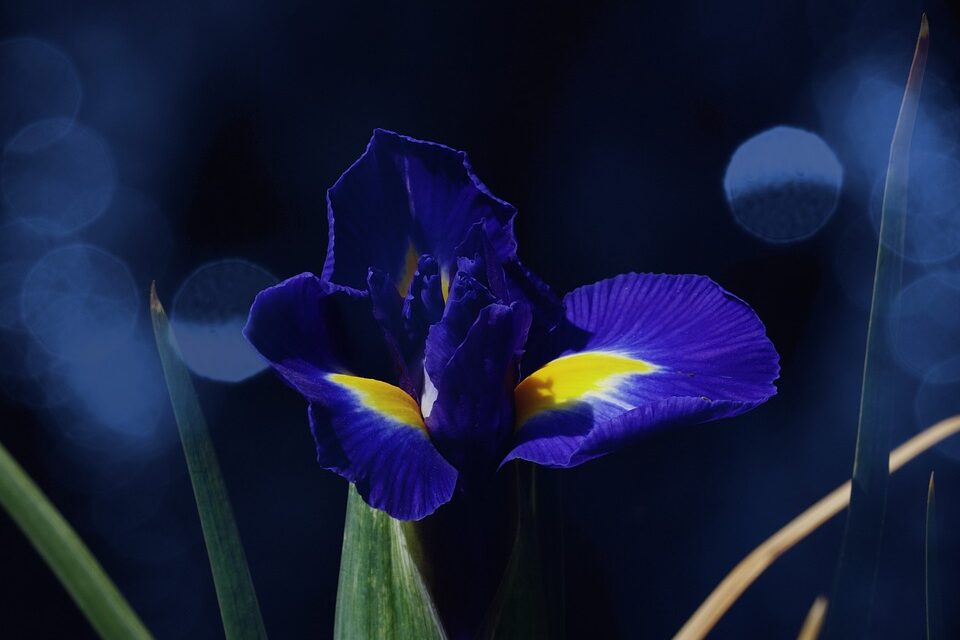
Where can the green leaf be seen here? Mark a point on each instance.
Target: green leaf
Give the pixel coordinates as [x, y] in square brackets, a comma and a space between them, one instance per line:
[66, 555]
[932, 570]
[519, 609]
[382, 592]
[228, 563]
[852, 595]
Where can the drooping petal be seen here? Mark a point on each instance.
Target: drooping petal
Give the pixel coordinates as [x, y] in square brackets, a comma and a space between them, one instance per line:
[403, 198]
[372, 434]
[306, 325]
[316, 335]
[471, 417]
[651, 351]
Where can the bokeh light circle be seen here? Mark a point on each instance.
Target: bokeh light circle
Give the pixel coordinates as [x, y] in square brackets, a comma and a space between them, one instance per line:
[37, 82]
[783, 184]
[60, 185]
[28, 374]
[20, 247]
[79, 302]
[933, 208]
[925, 329]
[209, 312]
[120, 392]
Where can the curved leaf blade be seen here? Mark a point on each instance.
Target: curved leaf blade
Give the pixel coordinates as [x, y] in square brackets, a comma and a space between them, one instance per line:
[725, 594]
[66, 555]
[814, 621]
[852, 596]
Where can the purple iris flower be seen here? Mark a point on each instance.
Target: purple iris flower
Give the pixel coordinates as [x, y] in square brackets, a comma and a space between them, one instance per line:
[430, 356]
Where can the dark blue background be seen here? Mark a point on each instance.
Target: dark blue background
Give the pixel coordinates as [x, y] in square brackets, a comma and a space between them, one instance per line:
[609, 126]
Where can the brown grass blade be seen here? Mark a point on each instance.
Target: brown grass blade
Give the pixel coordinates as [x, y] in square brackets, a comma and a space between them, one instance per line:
[814, 621]
[760, 559]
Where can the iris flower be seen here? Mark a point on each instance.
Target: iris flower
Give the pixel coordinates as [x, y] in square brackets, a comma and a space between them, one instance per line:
[430, 356]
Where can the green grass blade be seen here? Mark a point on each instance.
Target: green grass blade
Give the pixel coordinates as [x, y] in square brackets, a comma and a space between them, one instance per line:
[66, 555]
[852, 595]
[382, 594]
[932, 570]
[228, 563]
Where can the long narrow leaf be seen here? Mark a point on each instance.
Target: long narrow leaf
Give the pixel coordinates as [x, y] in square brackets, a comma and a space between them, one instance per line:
[382, 594]
[760, 559]
[228, 563]
[932, 570]
[814, 620]
[66, 555]
[852, 595]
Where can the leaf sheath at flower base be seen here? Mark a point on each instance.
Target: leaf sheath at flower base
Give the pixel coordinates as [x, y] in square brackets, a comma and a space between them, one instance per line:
[382, 594]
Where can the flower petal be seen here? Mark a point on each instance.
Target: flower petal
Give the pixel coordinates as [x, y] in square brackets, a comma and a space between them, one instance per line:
[386, 307]
[306, 326]
[424, 303]
[368, 431]
[372, 434]
[467, 298]
[471, 418]
[402, 198]
[651, 351]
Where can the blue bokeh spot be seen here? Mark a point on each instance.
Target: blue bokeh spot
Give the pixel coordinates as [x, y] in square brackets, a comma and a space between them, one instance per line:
[209, 312]
[79, 302]
[783, 184]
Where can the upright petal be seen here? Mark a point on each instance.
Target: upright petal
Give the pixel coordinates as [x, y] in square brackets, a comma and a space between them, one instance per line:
[368, 431]
[387, 309]
[472, 416]
[467, 298]
[424, 303]
[651, 351]
[403, 198]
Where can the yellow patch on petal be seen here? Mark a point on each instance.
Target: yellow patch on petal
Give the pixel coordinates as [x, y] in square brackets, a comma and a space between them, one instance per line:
[382, 398]
[444, 282]
[409, 269]
[573, 378]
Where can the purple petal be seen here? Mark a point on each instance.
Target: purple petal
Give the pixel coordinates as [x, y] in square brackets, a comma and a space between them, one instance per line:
[371, 433]
[306, 326]
[368, 431]
[424, 303]
[404, 193]
[467, 298]
[472, 416]
[653, 351]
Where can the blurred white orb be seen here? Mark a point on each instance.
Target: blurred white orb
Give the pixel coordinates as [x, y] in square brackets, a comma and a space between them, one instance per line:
[783, 184]
[57, 175]
[79, 302]
[37, 82]
[209, 312]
